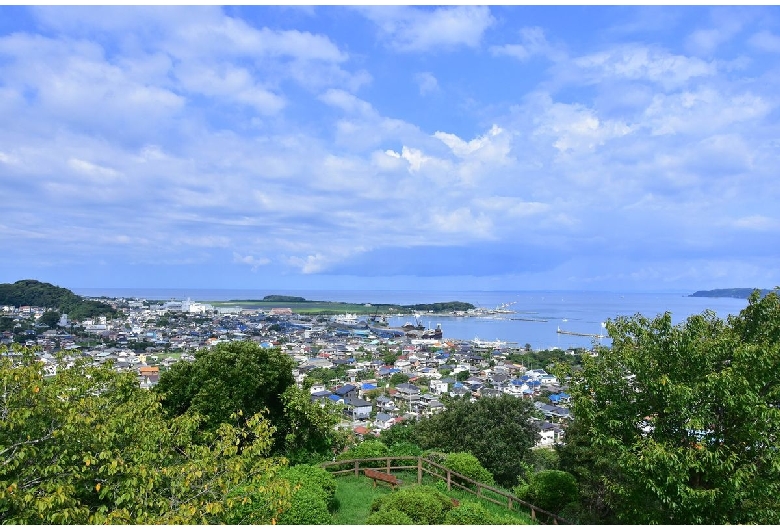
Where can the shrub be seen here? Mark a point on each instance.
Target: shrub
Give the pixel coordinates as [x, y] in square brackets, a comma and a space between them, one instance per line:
[405, 449]
[423, 504]
[551, 490]
[367, 449]
[313, 478]
[467, 465]
[391, 516]
[469, 513]
[308, 507]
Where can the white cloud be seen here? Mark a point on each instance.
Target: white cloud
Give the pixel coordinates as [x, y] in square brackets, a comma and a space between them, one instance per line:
[643, 63]
[487, 147]
[254, 262]
[411, 29]
[512, 206]
[311, 264]
[461, 221]
[427, 82]
[766, 41]
[706, 109]
[574, 127]
[347, 102]
[533, 43]
[760, 223]
[92, 170]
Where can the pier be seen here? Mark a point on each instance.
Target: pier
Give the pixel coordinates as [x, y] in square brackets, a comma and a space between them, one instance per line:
[594, 335]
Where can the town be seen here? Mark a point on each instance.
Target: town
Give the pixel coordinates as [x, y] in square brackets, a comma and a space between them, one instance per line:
[377, 379]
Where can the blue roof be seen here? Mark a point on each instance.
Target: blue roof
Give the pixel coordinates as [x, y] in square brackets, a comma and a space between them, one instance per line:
[368, 386]
[345, 389]
[334, 397]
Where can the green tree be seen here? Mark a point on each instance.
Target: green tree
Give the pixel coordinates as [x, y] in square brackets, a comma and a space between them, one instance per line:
[399, 378]
[309, 428]
[552, 490]
[498, 431]
[231, 377]
[50, 319]
[689, 415]
[89, 446]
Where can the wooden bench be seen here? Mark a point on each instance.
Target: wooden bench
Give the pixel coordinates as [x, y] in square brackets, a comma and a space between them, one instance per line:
[383, 477]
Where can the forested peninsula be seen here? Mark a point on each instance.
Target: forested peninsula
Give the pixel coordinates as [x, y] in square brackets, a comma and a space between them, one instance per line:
[302, 305]
[734, 292]
[40, 294]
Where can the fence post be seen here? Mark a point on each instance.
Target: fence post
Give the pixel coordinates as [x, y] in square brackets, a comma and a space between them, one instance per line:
[419, 470]
[356, 468]
[449, 480]
[388, 465]
[533, 514]
[509, 502]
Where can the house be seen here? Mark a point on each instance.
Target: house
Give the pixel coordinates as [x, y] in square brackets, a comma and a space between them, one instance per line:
[551, 412]
[347, 391]
[357, 409]
[549, 434]
[561, 398]
[518, 388]
[459, 390]
[384, 421]
[441, 386]
[366, 387]
[320, 395]
[361, 431]
[317, 388]
[489, 392]
[408, 393]
[434, 407]
[386, 404]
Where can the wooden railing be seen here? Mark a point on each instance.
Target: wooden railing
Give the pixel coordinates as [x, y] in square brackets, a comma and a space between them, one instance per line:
[451, 478]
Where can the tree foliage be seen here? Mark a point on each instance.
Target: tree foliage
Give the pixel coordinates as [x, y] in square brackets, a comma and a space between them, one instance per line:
[243, 377]
[552, 490]
[689, 416]
[89, 446]
[498, 431]
[40, 294]
[231, 377]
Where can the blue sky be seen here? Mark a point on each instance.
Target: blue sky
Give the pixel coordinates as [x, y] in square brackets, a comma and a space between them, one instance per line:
[598, 148]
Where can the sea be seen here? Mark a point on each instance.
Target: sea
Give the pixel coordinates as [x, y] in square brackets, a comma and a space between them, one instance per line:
[537, 315]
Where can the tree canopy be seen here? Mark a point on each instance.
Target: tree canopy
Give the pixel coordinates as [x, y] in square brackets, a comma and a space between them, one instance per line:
[689, 416]
[498, 431]
[243, 377]
[89, 446]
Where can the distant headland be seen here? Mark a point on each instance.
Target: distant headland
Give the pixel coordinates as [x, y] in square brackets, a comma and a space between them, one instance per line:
[735, 292]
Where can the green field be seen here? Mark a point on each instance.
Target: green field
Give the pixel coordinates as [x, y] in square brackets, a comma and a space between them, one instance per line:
[311, 307]
[322, 307]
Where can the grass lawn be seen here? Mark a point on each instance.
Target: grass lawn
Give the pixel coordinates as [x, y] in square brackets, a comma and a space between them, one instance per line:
[355, 495]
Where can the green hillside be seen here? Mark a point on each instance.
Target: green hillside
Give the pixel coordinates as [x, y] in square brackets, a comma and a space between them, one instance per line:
[734, 292]
[41, 294]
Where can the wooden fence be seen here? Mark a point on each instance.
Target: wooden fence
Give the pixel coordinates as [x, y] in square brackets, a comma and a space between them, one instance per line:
[425, 466]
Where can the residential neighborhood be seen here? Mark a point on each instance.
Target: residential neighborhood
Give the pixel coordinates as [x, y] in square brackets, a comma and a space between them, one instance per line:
[375, 381]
